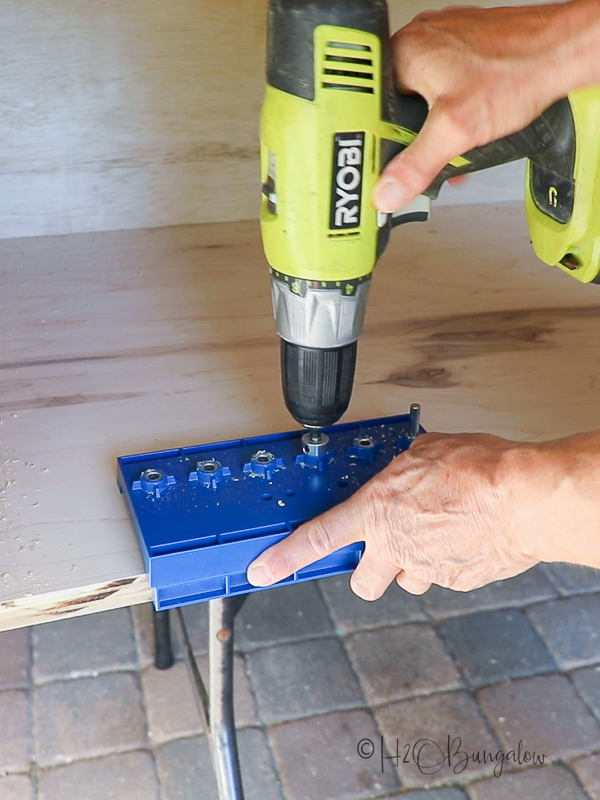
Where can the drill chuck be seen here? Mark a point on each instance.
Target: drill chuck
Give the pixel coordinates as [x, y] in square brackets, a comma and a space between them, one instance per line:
[317, 382]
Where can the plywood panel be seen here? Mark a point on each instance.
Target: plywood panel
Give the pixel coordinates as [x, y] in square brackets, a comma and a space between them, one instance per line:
[139, 113]
[126, 342]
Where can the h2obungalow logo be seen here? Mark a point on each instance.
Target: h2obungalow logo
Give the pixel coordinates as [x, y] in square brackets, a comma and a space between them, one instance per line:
[346, 184]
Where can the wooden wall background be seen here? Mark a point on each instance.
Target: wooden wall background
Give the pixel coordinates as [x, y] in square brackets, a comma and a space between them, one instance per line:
[119, 114]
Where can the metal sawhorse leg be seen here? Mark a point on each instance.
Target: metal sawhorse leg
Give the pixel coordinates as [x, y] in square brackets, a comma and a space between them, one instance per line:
[216, 702]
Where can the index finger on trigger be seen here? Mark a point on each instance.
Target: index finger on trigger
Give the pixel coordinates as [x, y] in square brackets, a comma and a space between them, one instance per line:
[309, 543]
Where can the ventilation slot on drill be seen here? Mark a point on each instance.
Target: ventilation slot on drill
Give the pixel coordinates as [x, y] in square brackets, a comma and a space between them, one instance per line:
[349, 67]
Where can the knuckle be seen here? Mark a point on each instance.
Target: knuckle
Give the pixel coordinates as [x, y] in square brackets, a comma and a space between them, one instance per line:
[427, 441]
[466, 125]
[461, 583]
[449, 578]
[318, 539]
[417, 29]
[398, 38]
[406, 36]
[408, 171]
[429, 15]
[386, 522]
[420, 588]
[412, 582]
[451, 110]
[431, 437]
[363, 590]
[423, 576]
[374, 504]
[280, 564]
[377, 502]
[374, 492]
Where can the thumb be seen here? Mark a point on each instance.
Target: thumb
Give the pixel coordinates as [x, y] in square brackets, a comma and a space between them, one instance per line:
[413, 170]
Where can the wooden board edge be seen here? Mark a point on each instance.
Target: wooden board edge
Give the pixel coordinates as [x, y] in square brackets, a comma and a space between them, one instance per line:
[26, 611]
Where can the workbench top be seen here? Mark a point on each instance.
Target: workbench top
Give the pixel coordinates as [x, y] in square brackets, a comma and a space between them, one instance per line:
[117, 343]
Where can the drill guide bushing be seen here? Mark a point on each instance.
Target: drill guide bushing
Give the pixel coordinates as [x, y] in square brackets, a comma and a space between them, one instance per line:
[200, 531]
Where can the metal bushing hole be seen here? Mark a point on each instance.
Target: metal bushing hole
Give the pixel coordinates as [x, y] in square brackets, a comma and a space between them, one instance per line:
[209, 466]
[152, 475]
[264, 458]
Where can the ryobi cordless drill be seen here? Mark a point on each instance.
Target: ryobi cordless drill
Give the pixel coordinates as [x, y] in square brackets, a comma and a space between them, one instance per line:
[331, 121]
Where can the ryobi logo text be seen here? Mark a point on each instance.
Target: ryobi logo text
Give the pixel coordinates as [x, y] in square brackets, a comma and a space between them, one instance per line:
[346, 183]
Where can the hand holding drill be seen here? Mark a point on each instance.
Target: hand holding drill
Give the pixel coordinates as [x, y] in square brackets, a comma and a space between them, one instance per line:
[464, 510]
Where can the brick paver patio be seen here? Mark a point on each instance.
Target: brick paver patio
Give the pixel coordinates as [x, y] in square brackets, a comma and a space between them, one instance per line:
[320, 675]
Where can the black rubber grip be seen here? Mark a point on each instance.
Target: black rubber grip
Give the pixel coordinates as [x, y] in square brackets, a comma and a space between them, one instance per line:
[549, 141]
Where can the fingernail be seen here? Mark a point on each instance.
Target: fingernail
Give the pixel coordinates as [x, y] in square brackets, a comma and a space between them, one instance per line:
[389, 195]
[259, 576]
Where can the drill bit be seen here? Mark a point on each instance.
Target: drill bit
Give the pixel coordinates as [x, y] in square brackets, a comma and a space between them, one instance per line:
[315, 435]
[315, 442]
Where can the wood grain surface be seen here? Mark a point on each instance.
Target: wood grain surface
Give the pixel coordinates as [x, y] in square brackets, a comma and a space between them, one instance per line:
[123, 114]
[125, 342]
